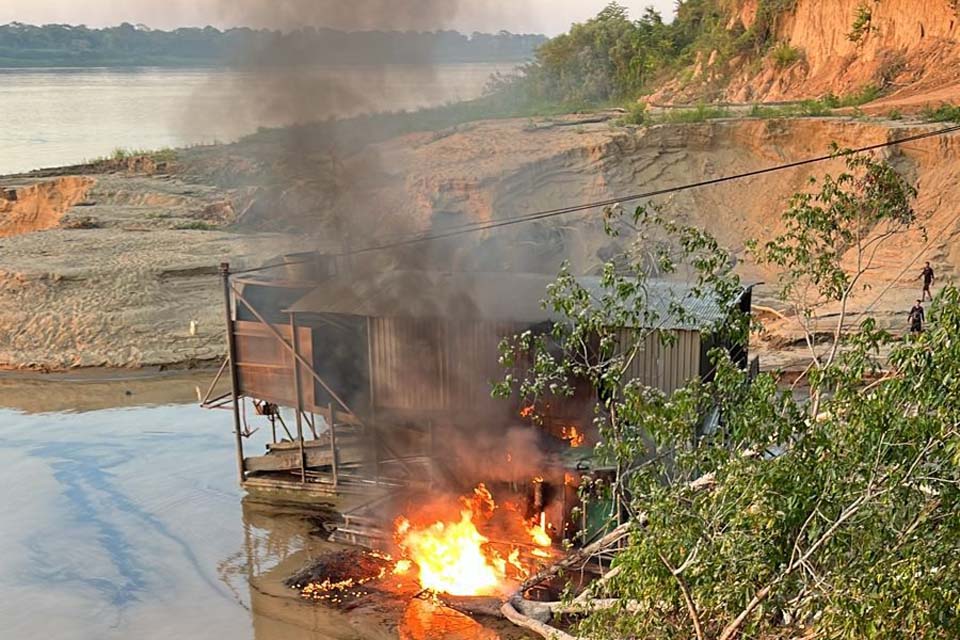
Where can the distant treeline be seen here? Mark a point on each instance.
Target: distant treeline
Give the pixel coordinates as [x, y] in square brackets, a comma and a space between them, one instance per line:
[128, 45]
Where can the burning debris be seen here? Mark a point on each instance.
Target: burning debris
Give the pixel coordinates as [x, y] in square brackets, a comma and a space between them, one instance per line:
[571, 434]
[454, 557]
[340, 578]
[466, 546]
[574, 436]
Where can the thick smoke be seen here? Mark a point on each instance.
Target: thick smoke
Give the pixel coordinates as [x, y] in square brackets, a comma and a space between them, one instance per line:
[312, 174]
[321, 178]
[348, 15]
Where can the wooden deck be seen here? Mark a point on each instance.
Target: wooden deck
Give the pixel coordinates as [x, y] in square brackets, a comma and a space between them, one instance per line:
[318, 455]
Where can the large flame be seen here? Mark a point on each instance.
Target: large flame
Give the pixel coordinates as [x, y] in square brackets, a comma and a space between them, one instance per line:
[454, 557]
[538, 532]
[451, 557]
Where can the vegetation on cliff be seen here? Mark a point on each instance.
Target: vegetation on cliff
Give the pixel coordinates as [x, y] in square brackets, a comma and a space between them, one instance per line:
[612, 57]
[740, 51]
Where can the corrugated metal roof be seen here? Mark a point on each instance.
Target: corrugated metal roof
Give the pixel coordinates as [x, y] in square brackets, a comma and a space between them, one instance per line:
[512, 297]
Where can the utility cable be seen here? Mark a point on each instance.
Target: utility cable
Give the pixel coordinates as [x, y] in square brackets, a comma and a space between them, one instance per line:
[552, 213]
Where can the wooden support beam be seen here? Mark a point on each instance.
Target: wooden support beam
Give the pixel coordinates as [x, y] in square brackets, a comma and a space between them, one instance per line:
[213, 385]
[234, 380]
[333, 447]
[299, 396]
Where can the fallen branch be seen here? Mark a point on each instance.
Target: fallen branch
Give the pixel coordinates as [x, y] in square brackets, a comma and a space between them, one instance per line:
[687, 598]
[538, 610]
[543, 630]
[473, 605]
[580, 556]
[535, 614]
[594, 589]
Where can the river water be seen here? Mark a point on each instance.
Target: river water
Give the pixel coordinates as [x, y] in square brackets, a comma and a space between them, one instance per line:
[122, 519]
[55, 117]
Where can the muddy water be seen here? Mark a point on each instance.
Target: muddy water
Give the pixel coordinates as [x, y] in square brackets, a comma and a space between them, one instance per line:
[52, 117]
[122, 519]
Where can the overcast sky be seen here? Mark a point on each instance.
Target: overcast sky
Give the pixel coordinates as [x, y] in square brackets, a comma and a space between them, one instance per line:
[544, 16]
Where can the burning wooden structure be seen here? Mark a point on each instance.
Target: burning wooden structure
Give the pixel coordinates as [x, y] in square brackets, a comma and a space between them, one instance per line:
[381, 371]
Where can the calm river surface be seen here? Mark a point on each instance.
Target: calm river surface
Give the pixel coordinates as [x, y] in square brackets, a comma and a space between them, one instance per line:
[53, 117]
[122, 519]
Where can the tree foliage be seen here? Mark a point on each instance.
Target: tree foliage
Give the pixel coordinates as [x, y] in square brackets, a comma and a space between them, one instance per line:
[612, 57]
[607, 57]
[127, 44]
[833, 512]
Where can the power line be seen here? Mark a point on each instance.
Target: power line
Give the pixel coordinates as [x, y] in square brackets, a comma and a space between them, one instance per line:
[552, 213]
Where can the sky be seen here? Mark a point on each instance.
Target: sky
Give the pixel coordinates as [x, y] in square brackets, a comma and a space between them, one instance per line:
[520, 16]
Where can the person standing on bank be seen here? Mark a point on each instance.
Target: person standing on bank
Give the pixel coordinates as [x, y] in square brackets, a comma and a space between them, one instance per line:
[928, 279]
[917, 317]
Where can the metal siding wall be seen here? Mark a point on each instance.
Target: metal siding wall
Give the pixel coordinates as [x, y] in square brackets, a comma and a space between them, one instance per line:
[472, 362]
[409, 364]
[667, 368]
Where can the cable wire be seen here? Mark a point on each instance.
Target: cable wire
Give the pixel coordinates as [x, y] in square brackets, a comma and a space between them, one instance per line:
[552, 213]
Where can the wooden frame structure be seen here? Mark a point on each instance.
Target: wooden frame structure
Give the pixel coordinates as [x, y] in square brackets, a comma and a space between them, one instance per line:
[372, 367]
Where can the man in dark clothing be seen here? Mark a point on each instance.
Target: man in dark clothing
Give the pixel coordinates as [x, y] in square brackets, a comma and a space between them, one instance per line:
[917, 317]
[928, 278]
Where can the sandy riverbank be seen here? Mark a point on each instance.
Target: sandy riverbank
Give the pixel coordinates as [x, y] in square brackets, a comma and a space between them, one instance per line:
[122, 257]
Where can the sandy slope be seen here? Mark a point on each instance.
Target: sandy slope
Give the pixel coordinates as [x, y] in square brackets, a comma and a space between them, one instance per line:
[123, 294]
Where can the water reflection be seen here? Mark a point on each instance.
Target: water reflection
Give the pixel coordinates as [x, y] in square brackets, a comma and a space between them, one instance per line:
[125, 521]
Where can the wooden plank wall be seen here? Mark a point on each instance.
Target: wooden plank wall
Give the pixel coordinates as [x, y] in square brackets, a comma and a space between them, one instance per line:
[265, 367]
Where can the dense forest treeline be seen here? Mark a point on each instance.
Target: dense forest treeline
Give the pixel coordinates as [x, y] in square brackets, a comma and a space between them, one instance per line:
[129, 45]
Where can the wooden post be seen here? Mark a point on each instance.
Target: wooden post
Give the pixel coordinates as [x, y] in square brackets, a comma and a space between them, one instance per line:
[431, 451]
[299, 394]
[234, 381]
[333, 446]
[372, 419]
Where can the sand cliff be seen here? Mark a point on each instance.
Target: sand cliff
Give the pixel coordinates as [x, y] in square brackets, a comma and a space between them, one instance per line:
[907, 48]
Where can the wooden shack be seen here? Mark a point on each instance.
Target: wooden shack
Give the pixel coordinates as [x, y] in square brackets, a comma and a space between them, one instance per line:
[376, 368]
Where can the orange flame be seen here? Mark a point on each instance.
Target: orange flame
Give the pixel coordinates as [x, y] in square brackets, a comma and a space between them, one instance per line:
[480, 502]
[573, 436]
[528, 411]
[450, 556]
[455, 557]
[538, 533]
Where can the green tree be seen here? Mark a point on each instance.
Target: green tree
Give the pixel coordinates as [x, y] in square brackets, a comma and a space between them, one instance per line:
[606, 58]
[834, 514]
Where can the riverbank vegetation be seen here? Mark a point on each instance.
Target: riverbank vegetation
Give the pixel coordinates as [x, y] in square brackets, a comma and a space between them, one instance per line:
[130, 45]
